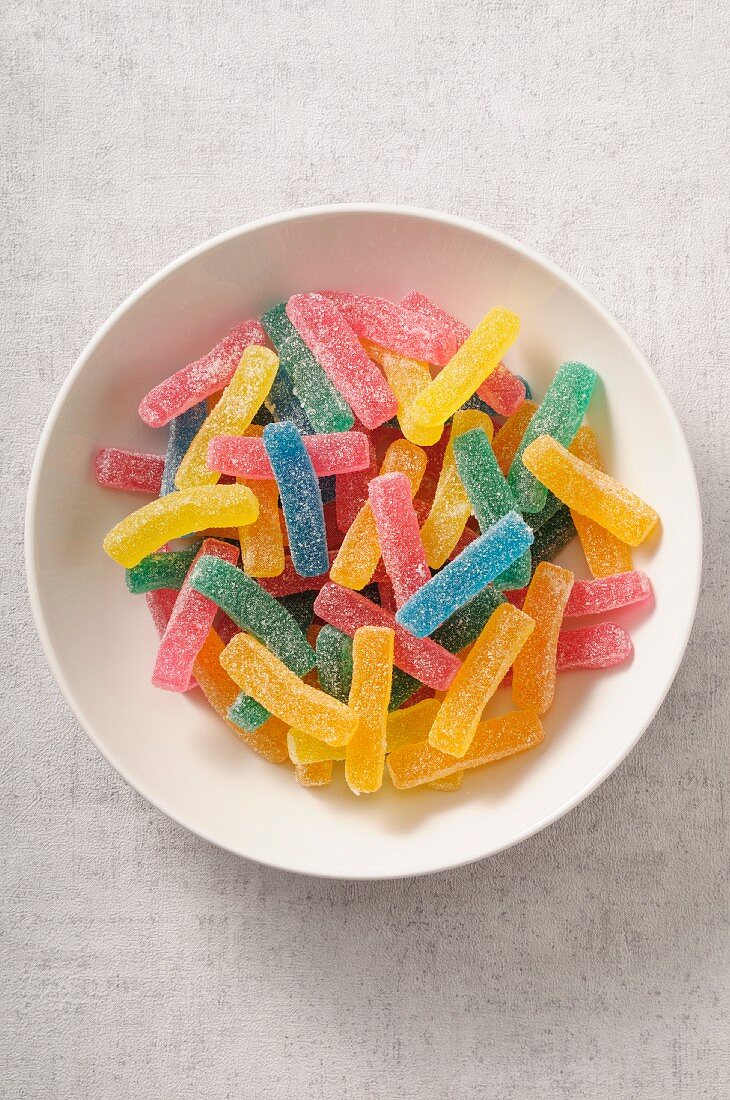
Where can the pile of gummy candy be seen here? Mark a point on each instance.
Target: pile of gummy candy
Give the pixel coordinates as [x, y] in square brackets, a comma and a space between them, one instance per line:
[370, 512]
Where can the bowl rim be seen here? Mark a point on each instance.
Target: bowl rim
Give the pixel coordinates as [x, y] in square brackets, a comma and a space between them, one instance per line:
[292, 215]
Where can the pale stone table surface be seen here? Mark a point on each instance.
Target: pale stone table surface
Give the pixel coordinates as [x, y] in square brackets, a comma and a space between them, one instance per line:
[591, 961]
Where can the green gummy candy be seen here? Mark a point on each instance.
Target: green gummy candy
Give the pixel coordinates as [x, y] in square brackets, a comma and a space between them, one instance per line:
[402, 688]
[163, 569]
[300, 606]
[559, 414]
[334, 669]
[466, 624]
[536, 520]
[552, 537]
[325, 407]
[247, 713]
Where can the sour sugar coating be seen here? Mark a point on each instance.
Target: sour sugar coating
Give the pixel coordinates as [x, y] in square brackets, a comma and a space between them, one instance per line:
[478, 678]
[260, 674]
[136, 473]
[326, 409]
[407, 378]
[352, 491]
[602, 594]
[464, 577]
[161, 602]
[282, 403]
[590, 492]
[262, 542]
[490, 496]
[410, 724]
[304, 749]
[334, 662]
[418, 763]
[398, 535]
[269, 739]
[300, 606]
[183, 430]
[559, 415]
[552, 537]
[507, 439]
[254, 610]
[165, 569]
[301, 499]
[466, 624]
[313, 775]
[200, 379]
[533, 674]
[246, 714]
[372, 670]
[175, 515]
[451, 507]
[502, 391]
[604, 553]
[601, 646]
[470, 366]
[245, 456]
[358, 557]
[536, 520]
[339, 352]
[448, 782]
[290, 582]
[394, 327]
[419, 657]
[232, 415]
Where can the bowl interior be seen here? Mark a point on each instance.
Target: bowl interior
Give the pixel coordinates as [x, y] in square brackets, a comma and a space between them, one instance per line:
[101, 641]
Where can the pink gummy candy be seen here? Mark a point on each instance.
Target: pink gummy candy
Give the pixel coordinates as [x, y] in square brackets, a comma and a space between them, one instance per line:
[128, 470]
[191, 619]
[601, 646]
[160, 603]
[396, 327]
[592, 597]
[206, 376]
[503, 391]
[340, 354]
[420, 657]
[387, 596]
[245, 456]
[352, 491]
[398, 534]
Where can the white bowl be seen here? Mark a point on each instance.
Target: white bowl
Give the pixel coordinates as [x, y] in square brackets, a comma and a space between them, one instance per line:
[100, 641]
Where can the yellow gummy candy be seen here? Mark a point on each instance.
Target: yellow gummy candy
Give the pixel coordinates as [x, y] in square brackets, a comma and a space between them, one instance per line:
[533, 676]
[589, 491]
[177, 514]
[358, 557]
[509, 436]
[478, 678]
[448, 782]
[239, 403]
[314, 775]
[605, 554]
[411, 723]
[262, 542]
[419, 763]
[304, 749]
[407, 378]
[372, 674]
[475, 360]
[264, 677]
[451, 506]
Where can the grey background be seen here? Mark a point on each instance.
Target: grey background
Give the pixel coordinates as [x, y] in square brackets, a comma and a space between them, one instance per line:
[592, 960]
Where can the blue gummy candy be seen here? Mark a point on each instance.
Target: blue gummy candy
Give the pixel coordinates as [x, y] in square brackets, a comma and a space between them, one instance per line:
[183, 430]
[301, 499]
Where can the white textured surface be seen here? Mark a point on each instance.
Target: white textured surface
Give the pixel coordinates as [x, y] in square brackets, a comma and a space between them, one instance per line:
[590, 961]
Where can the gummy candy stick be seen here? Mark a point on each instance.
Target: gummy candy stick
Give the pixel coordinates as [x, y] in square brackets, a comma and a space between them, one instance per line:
[313, 775]
[465, 576]
[590, 492]
[466, 624]
[246, 714]
[136, 473]
[264, 677]
[411, 724]
[387, 596]
[490, 496]
[245, 456]
[419, 657]
[166, 569]
[352, 491]
[372, 670]
[601, 646]
[536, 520]
[328, 488]
[533, 675]
[448, 782]
[418, 763]
[552, 537]
[407, 378]
[325, 408]
[301, 499]
[394, 327]
[398, 534]
[601, 594]
[478, 678]
[358, 557]
[269, 740]
[558, 415]
[290, 582]
[232, 415]
[300, 606]
[198, 380]
[473, 362]
[173, 516]
[502, 391]
[281, 403]
[451, 506]
[224, 627]
[507, 439]
[604, 553]
[262, 542]
[161, 602]
[334, 662]
[183, 430]
[304, 749]
[254, 610]
[337, 349]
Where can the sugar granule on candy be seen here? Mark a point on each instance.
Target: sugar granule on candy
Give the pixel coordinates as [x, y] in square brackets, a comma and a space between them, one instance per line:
[604, 553]
[507, 439]
[245, 455]
[465, 576]
[196, 381]
[559, 415]
[352, 490]
[407, 378]
[465, 625]
[372, 670]
[601, 646]
[324, 407]
[394, 327]
[304, 749]
[601, 594]
[552, 537]
[339, 352]
[300, 606]
[334, 662]
[176, 515]
[164, 569]
[128, 470]
[398, 534]
[246, 714]
[182, 431]
[282, 404]
[411, 724]
[301, 499]
[313, 775]
[533, 674]
[262, 542]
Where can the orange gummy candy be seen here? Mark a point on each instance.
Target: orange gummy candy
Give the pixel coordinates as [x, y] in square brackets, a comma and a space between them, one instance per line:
[605, 554]
[314, 775]
[509, 436]
[372, 674]
[533, 678]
